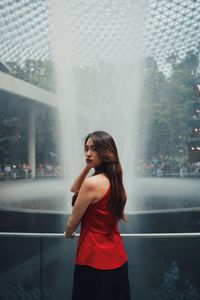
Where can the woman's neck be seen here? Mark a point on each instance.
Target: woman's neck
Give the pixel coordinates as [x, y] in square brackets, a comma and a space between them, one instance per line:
[99, 169]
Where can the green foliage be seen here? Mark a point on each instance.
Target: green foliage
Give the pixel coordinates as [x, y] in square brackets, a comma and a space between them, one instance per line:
[12, 131]
[168, 107]
[38, 72]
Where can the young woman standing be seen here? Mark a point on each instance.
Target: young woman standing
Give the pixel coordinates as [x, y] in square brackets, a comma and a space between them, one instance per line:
[101, 266]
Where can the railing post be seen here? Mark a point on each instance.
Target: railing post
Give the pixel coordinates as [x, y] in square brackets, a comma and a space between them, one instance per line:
[41, 270]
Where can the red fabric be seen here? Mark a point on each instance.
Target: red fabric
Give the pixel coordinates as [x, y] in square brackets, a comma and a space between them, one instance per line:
[100, 244]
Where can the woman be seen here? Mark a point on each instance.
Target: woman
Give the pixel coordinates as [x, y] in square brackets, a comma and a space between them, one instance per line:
[101, 270]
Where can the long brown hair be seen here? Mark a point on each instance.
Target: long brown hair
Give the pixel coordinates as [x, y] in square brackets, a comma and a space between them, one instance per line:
[107, 151]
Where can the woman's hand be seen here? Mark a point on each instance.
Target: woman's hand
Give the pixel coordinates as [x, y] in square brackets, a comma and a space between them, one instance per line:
[79, 180]
[69, 235]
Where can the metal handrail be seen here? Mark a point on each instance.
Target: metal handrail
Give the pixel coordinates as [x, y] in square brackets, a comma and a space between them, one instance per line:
[136, 235]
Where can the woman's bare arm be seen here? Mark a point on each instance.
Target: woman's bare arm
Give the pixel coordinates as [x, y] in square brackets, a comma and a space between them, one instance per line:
[79, 180]
[85, 197]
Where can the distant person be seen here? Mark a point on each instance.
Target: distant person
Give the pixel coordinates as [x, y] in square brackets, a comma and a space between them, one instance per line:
[7, 170]
[26, 170]
[14, 171]
[41, 170]
[101, 269]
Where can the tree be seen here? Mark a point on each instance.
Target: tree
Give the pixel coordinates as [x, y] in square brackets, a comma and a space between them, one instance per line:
[37, 72]
[167, 106]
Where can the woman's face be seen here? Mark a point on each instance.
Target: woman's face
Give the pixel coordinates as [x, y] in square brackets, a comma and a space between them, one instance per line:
[91, 154]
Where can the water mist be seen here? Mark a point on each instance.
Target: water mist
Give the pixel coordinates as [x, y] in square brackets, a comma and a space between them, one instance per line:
[98, 81]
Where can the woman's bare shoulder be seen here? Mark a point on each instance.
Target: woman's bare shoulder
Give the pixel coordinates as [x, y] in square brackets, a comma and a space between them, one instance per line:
[96, 180]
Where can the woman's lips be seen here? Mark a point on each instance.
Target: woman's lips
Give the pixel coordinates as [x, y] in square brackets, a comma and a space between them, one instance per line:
[88, 161]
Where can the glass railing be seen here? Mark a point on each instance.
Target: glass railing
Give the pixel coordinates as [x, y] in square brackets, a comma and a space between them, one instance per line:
[40, 265]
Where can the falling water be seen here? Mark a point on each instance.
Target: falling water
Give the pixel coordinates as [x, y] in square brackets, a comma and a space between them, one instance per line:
[98, 80]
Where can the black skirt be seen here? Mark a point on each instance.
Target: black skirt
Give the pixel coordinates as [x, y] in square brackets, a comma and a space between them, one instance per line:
[94, 284]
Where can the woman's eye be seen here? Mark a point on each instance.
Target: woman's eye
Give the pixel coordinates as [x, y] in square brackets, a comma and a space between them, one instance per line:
[91, 148]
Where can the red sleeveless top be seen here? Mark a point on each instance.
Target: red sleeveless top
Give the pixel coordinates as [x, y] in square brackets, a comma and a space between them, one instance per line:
[100, 244]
